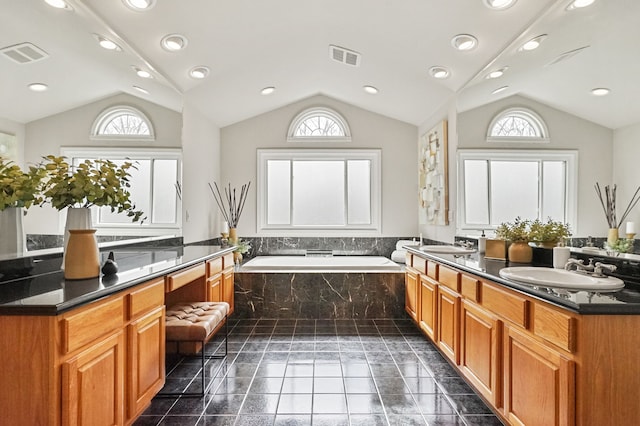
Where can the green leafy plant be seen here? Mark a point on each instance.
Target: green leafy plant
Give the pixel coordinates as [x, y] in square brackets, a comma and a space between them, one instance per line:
[622, 245]
[90, 183]
[516, 231]
[19, 188]
[242, 246]
[550, 232]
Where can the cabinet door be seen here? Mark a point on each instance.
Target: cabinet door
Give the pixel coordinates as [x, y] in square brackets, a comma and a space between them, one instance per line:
[146, 366]
[480, 350]
[214, 288]
[411, 294]
[227, 288]
[539, 382]
[428, 306]
[93, 384]
[448, 322]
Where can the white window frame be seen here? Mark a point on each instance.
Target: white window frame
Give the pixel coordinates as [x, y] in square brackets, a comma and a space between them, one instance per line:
[318, 111]
[570, 157]
[108, 114]
[526, 114]
[130, 154]
[373, 155]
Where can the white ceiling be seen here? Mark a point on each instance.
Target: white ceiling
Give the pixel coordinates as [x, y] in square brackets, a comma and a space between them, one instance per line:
[251, 44]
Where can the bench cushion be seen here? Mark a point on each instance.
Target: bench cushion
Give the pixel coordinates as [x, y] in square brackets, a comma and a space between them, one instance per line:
[194, 321]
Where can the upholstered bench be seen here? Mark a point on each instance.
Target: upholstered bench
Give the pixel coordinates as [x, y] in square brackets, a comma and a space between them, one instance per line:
[196, 322]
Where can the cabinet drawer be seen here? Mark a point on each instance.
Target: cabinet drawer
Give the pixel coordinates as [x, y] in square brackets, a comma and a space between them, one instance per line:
[554, 326]
[214, 266]
[80, 328]
[420, 264]
[505, 304]
[227, 260]
[184, 277]
[432, 270]
[146, 299]
[469, 287]
[449, 278]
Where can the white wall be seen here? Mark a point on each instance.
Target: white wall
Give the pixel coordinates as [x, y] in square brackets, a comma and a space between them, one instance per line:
[201, 161]
[593, 142]
[397, 140]
[73, 128]
[626, 173]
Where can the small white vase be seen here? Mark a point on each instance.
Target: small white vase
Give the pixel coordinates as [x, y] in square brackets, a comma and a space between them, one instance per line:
[12, 241]
[77, 218]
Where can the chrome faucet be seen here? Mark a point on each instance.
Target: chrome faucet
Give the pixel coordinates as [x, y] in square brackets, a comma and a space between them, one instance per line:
[578, 265]
[599, 266]
[465, 243]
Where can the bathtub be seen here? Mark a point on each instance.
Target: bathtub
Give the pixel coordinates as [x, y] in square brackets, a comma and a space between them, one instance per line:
[320, 287]
[320, 264]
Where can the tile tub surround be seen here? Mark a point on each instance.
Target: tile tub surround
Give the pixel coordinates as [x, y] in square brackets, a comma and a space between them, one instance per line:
[347, 295]
[324, 372]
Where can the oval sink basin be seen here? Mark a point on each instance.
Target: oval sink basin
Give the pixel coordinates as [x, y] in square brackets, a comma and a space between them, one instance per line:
[560, 278]
[445, 249]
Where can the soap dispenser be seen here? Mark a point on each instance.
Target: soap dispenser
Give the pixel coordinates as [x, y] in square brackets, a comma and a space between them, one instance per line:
[482, 243]
[561, 255]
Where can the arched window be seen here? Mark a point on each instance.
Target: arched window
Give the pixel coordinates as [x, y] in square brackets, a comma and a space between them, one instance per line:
[122, 122]
[319, 124]
[517, 125]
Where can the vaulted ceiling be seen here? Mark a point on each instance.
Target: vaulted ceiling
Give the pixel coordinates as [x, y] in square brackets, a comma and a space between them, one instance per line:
[248, 45]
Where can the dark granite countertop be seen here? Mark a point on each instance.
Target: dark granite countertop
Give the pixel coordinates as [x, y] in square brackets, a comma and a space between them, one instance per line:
[625, 301]
[48, 293]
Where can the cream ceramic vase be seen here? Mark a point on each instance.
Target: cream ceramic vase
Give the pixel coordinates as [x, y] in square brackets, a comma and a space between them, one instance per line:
[612, 236]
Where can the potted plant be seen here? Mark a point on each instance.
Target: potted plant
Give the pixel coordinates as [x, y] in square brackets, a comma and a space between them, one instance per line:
[19, 190]
[548, 234]
[242, 247]
[77, 188]
[518, 234]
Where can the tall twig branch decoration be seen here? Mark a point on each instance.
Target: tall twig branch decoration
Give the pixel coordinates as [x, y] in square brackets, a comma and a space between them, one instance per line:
[230, 206]
[609, 204]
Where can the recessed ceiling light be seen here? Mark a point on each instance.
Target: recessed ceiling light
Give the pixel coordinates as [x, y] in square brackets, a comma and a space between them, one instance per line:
[578, 4]
[59, 4]
[496, 73]
[199, 72]
[439, 72]
[38, 87]
[140, 89]
[174, 42]
[600, 91]
[370, 89]
[534, 43]
[464, 42]
[499, 4]
[142, 73]
[268, 90]
[139, 5]
[105, 43]
[500, 89]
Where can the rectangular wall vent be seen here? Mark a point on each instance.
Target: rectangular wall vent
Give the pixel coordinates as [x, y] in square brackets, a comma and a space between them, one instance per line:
[345, 56]
[24, 53]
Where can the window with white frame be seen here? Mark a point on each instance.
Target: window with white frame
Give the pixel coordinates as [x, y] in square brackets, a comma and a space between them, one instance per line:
[317, 190]
[517, 125]
[122, 122]
[497, 186]
[154, 188]
[319, 124]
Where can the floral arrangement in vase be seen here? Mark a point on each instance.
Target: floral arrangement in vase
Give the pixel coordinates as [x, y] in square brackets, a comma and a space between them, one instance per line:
[19, 188]
[608, 202]
[549, 233]
[518, 231]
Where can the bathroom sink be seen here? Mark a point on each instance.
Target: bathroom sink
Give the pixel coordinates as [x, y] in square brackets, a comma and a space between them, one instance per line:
[445, 249]
[560, 278]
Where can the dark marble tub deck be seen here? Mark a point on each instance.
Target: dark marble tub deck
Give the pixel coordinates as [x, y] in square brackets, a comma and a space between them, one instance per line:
[323, 372]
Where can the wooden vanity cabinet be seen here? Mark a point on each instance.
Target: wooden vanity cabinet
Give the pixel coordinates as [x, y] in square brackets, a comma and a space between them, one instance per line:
[535, 363]
[228, 286]
[411, 293]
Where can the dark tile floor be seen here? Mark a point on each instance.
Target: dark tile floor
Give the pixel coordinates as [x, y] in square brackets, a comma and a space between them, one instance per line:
[322, 372]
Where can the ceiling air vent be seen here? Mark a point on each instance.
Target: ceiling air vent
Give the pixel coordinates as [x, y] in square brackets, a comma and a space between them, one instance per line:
[24, 53]
[345, 56]
[566, 55]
